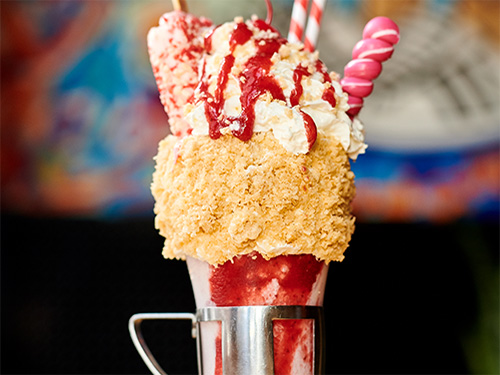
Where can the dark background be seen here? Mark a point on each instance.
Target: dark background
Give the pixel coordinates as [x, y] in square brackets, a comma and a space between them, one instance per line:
[407, 299]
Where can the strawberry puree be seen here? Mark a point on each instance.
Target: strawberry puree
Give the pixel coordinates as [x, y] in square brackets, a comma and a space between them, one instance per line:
[284, 280]
[245, 281]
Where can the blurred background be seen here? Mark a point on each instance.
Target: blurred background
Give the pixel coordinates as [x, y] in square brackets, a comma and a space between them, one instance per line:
[80, 123]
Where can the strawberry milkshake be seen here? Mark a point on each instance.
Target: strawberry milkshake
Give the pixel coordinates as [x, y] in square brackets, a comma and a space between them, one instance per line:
[253, 188]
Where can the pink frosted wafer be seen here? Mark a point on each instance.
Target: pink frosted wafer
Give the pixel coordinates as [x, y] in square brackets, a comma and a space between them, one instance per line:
[175, 48]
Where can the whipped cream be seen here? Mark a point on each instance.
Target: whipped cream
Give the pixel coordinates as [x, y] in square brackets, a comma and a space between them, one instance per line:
[243, 77]
[282, 116]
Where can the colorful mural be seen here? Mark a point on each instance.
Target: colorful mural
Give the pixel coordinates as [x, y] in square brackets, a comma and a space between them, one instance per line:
[81, 119]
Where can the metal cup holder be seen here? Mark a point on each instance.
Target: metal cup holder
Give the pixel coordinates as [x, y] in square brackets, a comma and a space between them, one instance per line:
[247, 336]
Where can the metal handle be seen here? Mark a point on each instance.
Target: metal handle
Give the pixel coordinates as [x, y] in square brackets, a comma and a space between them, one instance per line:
[134, 327]
[247, 335]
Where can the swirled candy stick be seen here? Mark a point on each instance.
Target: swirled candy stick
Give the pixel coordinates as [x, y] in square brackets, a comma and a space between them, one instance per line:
[374, 49]
[379, 37]
[382, 28]
[355, 105]
[363, 68]
[358, 87]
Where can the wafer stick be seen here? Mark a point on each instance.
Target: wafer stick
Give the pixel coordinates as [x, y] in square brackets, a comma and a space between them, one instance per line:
[180, 5]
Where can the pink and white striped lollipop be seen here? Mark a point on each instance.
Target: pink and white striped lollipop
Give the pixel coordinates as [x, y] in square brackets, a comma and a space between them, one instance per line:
[382, 28]
[363, 68]
[379, 37]
[374, 49]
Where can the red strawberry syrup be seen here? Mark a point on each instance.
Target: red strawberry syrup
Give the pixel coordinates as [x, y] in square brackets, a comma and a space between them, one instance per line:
[255, 79]
[283, 280]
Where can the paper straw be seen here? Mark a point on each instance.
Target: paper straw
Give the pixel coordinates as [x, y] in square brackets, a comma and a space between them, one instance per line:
[298, 21]
[313, 24]
[180, 5]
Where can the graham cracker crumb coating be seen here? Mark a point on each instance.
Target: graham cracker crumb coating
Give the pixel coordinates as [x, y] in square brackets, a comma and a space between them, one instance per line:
[216, 199]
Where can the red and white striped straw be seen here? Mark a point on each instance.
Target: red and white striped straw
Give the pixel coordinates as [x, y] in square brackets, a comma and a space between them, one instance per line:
[313, 24]
[298, 21]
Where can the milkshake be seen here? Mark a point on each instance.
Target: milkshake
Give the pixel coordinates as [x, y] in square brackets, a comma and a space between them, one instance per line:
[253, 188]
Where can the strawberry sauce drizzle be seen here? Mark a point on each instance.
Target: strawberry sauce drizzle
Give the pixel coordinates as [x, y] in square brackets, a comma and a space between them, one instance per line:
[310, 127]
[329, 93]
[329, 96]
[296, 93]
[254, 80]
